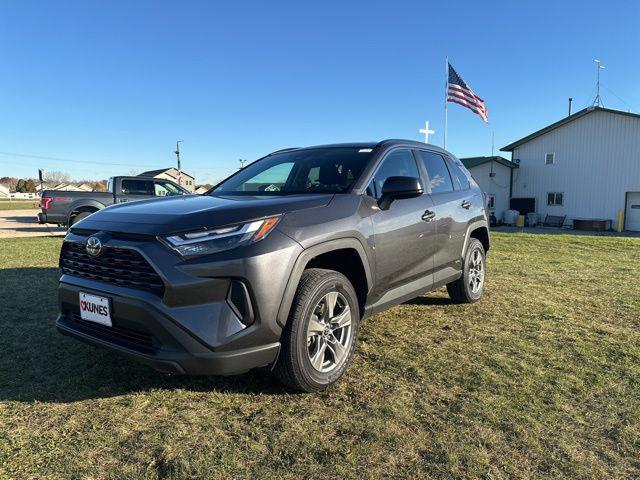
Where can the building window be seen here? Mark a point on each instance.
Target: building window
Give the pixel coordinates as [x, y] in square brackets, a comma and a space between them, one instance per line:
[554, 199]
[549, 158]
[491, 201]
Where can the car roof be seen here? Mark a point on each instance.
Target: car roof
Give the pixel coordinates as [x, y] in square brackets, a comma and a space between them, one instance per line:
[383, 143]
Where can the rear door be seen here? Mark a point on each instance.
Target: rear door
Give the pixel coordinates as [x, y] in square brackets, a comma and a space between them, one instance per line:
[452, 207]
[403, 250]
[132, 189]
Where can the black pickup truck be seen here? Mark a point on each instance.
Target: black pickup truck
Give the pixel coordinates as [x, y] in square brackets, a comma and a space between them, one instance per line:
[69, 207]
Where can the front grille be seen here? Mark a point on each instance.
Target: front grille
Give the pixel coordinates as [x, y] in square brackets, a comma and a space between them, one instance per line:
[118, 266]
[126, 337]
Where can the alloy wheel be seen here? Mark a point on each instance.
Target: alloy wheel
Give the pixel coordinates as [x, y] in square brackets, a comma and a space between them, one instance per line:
[329, 332]
[476, 271]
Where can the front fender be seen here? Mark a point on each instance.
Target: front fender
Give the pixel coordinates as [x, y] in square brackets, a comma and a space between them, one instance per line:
[310, 253]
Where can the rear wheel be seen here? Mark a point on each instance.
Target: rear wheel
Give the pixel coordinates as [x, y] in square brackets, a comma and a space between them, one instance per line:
[319, 339]
[76, 218]
[470, 286]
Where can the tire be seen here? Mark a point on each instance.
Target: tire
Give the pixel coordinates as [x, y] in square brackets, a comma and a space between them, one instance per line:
[462, 291]
[311, 346]
[75, 219]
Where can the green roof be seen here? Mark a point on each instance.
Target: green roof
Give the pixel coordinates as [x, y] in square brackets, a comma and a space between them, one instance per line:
[471, 162]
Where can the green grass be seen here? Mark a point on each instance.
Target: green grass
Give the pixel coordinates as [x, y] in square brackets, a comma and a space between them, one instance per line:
[19, 204]
[539, 379]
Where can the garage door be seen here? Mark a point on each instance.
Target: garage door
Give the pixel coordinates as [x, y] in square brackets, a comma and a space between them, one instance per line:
[633, 211]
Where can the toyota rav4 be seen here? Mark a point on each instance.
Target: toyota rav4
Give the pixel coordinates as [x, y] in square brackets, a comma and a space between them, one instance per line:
[278, 264]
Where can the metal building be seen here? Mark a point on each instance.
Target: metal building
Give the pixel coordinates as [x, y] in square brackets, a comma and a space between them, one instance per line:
[586, 166]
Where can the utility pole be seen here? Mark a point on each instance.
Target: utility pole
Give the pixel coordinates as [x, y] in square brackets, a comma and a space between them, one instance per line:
[242, 162]
[177, 152]
[41, 178]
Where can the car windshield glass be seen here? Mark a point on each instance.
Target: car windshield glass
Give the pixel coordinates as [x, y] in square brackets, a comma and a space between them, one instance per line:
[314, 170]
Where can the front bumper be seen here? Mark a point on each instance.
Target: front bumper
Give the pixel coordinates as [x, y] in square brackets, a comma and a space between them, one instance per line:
[192, 327]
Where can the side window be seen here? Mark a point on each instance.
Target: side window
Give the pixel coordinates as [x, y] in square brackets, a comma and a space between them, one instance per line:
[137, 187]
[462, 181]
[439, 178]
[164, 189]
[399, 163]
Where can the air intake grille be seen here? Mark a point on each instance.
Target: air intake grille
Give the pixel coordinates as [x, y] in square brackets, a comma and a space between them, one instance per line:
[126, 337]
[118, 266]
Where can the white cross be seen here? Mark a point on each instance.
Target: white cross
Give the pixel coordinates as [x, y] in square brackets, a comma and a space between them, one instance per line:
[426, 132]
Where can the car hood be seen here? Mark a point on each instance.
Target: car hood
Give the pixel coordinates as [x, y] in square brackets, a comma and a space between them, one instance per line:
[167, 215]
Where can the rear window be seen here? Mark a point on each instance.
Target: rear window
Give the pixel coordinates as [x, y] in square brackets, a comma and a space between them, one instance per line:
[138, 187]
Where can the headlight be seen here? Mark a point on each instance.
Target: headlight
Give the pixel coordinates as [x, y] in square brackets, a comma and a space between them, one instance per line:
[216, 240]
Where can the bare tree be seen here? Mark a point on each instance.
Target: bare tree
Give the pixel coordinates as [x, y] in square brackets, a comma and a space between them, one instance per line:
[57, 177]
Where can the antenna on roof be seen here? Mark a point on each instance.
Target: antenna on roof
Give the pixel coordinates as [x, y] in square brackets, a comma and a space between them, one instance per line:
[597, 102]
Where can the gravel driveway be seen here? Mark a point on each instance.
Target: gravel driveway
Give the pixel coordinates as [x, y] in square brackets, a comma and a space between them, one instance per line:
[24, 223]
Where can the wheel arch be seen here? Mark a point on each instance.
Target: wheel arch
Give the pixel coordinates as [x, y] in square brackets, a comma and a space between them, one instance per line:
[90, 207]
[345, 255]
[479, 230]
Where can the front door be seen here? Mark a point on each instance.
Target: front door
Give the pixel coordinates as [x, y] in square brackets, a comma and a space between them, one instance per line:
[633, 211]
[403, 249]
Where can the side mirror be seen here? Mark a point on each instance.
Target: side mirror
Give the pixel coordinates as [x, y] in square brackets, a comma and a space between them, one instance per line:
[398, 188]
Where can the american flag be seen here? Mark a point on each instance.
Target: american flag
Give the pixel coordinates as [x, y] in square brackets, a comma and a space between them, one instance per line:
[459, 92]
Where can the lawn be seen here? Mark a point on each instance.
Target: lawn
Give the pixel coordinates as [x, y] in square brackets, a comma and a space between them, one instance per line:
[539, 379]
[19, 204]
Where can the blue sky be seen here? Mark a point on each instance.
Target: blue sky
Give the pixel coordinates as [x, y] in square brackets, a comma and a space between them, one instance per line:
[119, 82]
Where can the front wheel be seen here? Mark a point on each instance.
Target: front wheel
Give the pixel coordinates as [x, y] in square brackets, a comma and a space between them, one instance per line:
[320, 336]
[470, 286]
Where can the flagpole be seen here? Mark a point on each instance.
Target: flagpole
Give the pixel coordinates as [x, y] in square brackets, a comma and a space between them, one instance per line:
[446, 88]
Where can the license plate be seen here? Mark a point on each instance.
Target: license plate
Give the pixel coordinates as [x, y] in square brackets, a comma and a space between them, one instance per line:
[95, 309]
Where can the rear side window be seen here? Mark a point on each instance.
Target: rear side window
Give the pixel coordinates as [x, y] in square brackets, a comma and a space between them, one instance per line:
[399, 163]
[459, 177]
[138, 187]
[439, 178]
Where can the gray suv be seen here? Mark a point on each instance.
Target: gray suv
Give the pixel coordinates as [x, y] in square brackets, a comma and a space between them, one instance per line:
[278, 264]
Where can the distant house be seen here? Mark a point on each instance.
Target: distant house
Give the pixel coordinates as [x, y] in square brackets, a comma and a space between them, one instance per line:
[187, 181]
[201, 189]
[494, 177]
[85, 187]
[4, 191]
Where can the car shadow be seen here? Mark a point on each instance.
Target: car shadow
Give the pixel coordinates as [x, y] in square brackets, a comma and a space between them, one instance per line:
[39, 364]
[429, 301]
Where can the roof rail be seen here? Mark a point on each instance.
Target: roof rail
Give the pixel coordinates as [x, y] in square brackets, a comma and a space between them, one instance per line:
[283, 150]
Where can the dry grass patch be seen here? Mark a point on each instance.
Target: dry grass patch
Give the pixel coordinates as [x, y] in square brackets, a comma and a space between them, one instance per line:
[539, 379]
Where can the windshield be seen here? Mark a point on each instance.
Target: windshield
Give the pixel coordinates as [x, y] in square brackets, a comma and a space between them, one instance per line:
[316, 170]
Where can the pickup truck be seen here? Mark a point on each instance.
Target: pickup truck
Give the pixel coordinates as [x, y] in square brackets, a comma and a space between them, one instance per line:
[66, 208]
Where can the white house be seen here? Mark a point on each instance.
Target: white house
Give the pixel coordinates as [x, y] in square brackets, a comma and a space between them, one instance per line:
[493, 175]
[4, 191]
[585, 166]
[171, 173]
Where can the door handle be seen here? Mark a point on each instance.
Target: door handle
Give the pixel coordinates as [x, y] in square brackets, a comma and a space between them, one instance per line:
[466, 205]
[428, 215]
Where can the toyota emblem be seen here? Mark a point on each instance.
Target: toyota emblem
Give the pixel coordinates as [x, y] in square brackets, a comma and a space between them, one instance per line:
[94, 246]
